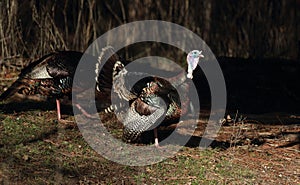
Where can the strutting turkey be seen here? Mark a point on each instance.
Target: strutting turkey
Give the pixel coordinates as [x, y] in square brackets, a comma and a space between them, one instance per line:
[51, 76]
[152, 101]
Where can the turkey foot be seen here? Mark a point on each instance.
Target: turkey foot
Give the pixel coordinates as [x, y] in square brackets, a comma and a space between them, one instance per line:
[60, 120]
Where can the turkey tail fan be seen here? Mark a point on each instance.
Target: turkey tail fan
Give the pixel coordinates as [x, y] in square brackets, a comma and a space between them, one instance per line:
[105, 67]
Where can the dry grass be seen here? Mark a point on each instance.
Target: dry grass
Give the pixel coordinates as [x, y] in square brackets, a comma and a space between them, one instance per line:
[36, 149]
[240, 29]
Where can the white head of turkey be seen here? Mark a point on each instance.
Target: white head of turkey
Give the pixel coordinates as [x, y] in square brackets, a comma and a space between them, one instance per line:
[192, 60]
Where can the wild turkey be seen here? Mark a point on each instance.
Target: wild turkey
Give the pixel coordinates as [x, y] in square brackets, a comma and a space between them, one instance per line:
[152, 101]
[51, 76]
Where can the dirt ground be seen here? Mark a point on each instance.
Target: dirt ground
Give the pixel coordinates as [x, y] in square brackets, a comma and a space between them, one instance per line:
[35, 149]
[262, 147]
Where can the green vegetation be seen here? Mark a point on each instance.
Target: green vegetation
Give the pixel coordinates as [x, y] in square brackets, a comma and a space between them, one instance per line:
[34, 150]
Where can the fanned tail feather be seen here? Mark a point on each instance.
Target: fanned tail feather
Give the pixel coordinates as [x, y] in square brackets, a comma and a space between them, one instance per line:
[105, 68]
[110, 109]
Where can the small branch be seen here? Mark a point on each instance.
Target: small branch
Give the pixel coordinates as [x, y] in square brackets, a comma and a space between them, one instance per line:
[113, 13]
[123, 11]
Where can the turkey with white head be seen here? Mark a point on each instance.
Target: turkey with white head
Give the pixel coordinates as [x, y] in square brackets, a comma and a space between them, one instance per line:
[152, 101]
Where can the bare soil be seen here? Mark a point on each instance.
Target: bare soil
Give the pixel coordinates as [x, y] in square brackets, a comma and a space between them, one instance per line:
[262, 147]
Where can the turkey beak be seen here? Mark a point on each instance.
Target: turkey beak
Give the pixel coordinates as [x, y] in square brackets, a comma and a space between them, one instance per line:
[200, 54]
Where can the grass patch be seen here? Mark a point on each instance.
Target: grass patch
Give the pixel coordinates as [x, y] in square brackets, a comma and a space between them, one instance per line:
[25, 128]
[34, 149]
[194, 166]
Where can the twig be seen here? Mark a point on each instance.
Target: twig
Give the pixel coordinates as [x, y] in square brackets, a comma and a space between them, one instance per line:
[123, 11]
[4, 39]
[279, 120]
[78, 23]
[113, 13]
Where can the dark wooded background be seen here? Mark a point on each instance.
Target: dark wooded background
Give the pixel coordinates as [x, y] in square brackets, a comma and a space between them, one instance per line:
[257, 42]
[246, 29]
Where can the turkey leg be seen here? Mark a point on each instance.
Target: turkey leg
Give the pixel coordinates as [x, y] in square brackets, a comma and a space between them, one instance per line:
[156, 144]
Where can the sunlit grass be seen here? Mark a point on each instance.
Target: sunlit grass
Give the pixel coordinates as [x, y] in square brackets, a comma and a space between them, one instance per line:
[36, 149]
